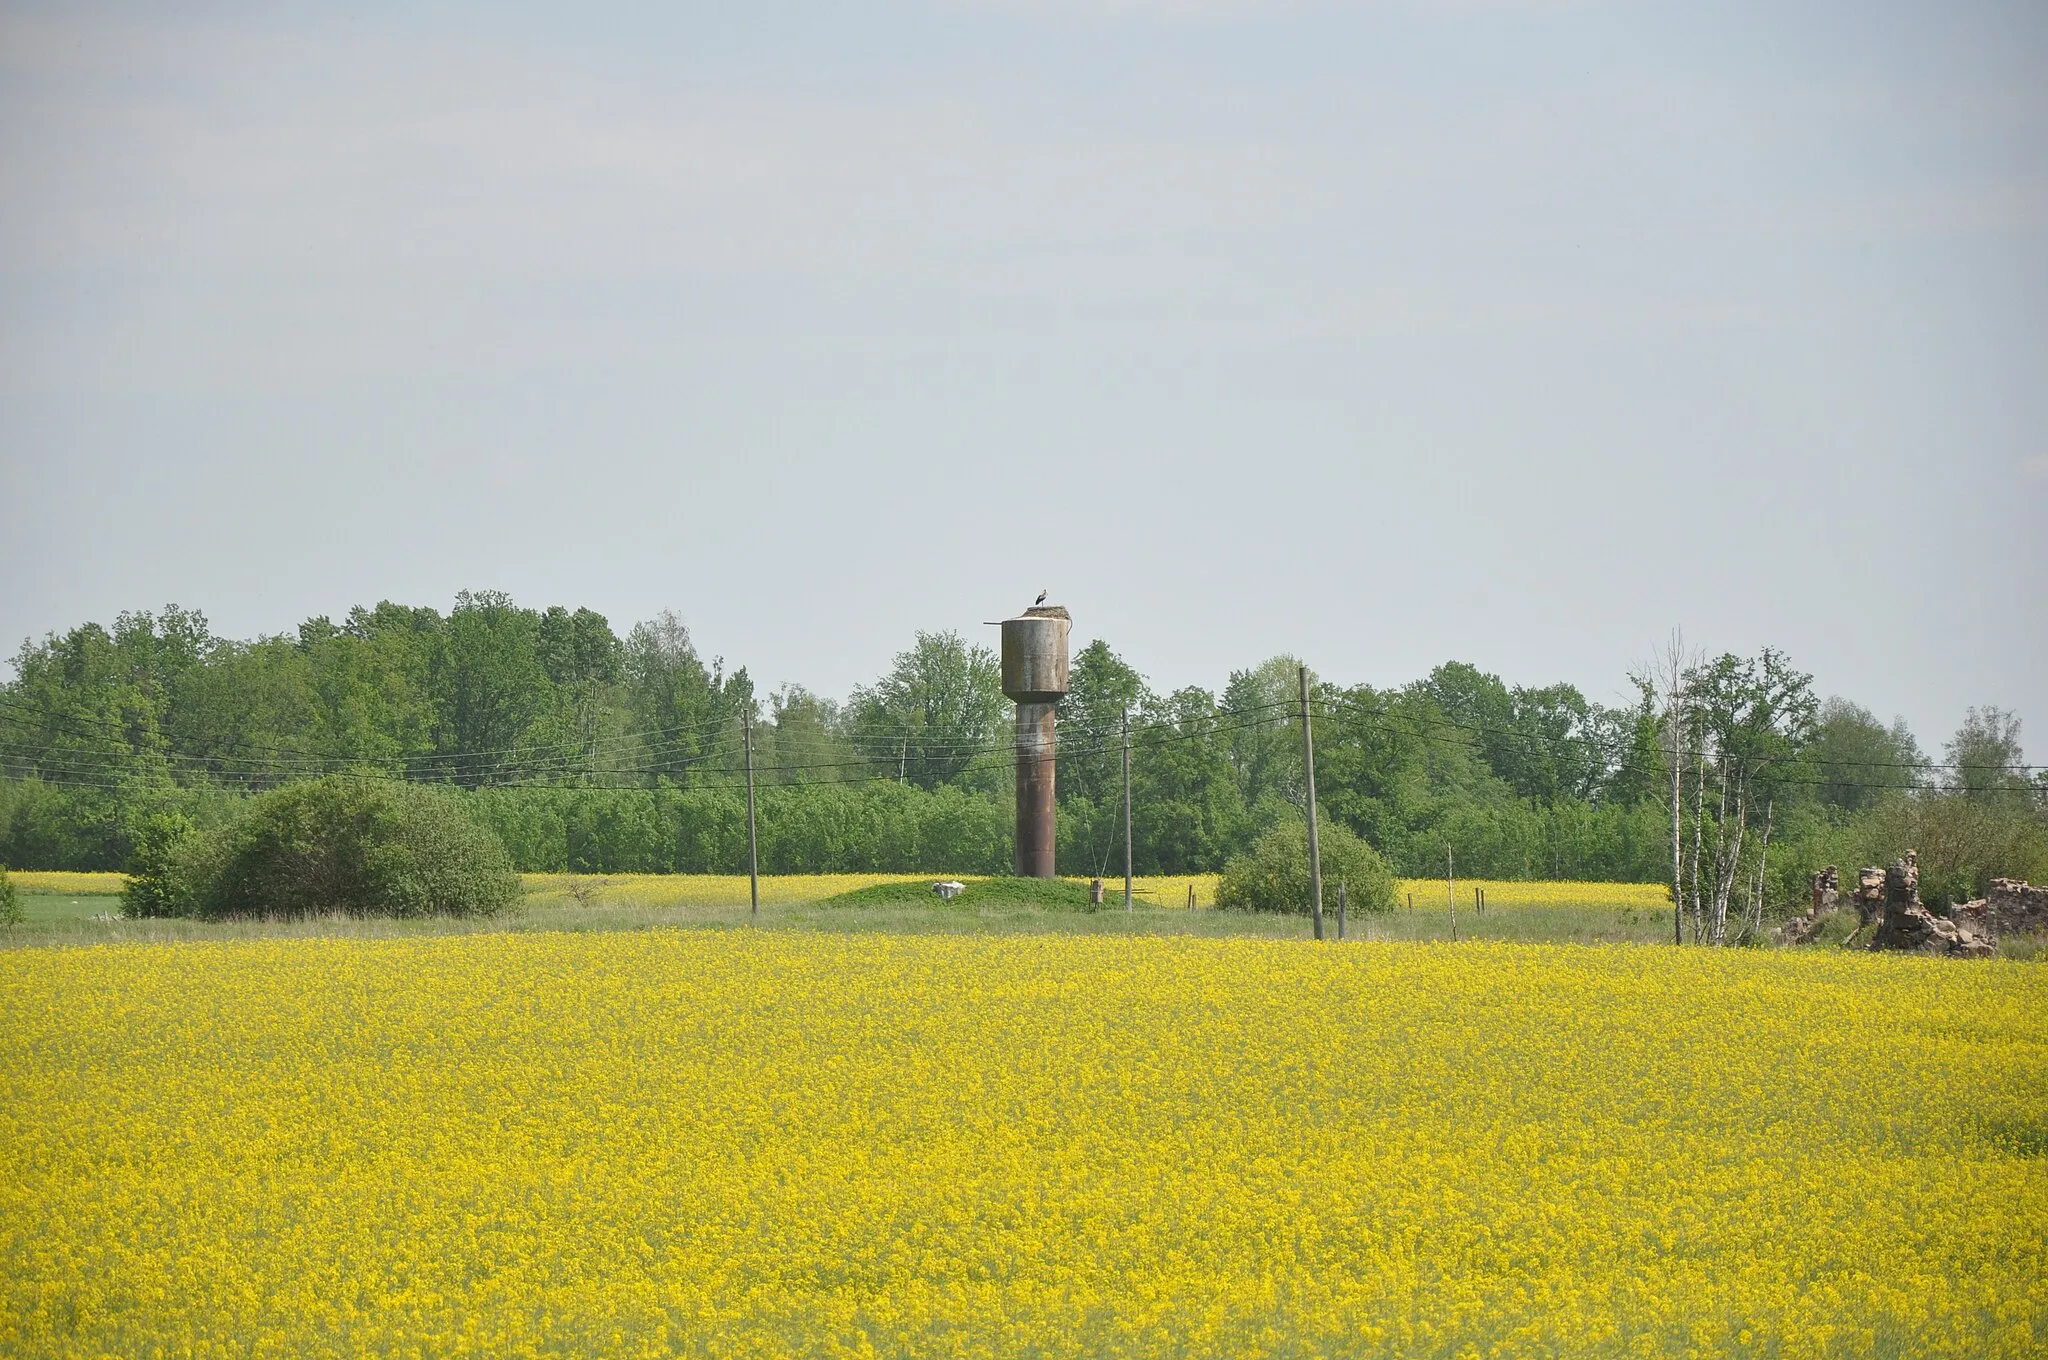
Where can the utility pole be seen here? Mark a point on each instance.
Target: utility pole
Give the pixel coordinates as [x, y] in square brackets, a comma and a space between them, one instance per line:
[1127, 809]
[1451, 887]
[753, 849]
[1308, 766]
[1340, 908]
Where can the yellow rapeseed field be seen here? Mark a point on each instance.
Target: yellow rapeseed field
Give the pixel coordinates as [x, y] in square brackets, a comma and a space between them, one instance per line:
[68, 883]
[699, 890]
[724, 890]
[1433, 894]
[1158, 890]
[751, 1144]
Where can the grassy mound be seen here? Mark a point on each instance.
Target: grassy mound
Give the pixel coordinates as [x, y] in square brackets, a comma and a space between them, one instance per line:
[913, 894]
[1025, 892]
[1052, 893]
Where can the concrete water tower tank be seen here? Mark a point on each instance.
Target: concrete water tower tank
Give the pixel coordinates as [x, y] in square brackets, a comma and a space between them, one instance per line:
[1035, 676]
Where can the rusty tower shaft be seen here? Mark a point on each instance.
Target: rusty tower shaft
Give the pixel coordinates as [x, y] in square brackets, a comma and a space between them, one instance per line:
[1035, 678]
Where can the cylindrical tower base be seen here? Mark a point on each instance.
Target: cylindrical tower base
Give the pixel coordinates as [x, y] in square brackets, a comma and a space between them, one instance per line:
[1037, 826]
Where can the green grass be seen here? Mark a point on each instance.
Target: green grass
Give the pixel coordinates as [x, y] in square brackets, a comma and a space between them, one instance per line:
[1051, 894]
[2026, 948]
[992, 906]
[998, 906]
[1839, 926]
[49, 907]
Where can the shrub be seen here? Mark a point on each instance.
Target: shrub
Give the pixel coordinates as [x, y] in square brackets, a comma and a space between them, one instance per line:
[1273, 874]
[354, 847]
[164, 868]
[10, 900]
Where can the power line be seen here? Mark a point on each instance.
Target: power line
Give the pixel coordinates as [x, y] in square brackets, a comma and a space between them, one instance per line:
[653, 760]
[672, 736]
[1524, 735]
[528, 764]
[1628, 766]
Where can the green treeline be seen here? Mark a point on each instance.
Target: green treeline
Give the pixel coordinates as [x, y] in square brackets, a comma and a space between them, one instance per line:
[589, 751]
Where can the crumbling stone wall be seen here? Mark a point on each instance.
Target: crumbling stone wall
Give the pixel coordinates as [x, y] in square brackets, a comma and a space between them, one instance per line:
[1902, 883]
[1869, 895]
[1908, 927]
[1827, 896]
[1888, 900]
[2014, 907]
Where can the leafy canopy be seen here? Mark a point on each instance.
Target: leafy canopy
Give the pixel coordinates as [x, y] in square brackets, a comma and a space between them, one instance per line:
[333, 846]
[1273, 874]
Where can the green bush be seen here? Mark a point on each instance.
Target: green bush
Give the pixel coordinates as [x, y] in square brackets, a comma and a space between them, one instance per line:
[335, 846]
[1963, 844]
[10, 900]
[163, 868]
[1273, 874]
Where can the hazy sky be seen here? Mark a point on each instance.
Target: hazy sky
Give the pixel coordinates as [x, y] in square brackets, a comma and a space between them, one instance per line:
[1518, 333]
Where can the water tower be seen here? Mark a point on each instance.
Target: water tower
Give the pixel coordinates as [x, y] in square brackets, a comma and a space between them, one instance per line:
[1035, 676]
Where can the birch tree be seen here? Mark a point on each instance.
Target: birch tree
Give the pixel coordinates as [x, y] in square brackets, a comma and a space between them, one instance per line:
[1667, 679]
[1746, 720]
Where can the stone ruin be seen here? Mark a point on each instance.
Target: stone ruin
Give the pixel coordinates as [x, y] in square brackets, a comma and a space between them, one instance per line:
[1827, 891]
[2014, 907]
[1827, 896]
[1870, 892]
[1908, 927]
[1888, 905]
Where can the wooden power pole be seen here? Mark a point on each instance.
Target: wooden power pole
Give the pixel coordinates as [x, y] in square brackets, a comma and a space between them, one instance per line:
[1127, 809]
[1308, 766]
[1451, 888]
[753, 848]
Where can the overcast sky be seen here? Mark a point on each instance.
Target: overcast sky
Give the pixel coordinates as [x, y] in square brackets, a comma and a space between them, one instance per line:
[1519, 333]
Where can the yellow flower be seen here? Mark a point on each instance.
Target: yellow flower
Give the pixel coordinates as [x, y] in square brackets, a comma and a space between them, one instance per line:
[739, 1143]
